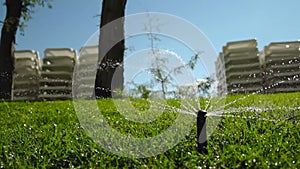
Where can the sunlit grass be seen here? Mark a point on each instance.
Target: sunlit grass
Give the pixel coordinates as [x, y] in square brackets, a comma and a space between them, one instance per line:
[49, 135]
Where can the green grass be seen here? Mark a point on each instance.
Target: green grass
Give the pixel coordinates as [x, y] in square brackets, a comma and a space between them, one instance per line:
[48, 135]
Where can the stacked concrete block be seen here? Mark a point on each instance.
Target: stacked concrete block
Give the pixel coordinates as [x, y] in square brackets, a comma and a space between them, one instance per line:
[86, 71]
[221, 76]
[242, 67]
[56, 74]
[281, 63]
[26, 75]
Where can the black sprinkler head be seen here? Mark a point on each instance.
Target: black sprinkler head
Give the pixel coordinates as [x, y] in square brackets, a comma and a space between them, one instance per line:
[201, 113]
[201, 132]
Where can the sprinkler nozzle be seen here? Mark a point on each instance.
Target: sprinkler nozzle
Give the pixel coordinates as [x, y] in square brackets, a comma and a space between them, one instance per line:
[201, 132]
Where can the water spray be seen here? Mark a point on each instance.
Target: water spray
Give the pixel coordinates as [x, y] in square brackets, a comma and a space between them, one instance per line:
[201, 132]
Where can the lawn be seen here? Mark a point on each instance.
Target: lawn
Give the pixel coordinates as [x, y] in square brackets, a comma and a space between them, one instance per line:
[49, 135]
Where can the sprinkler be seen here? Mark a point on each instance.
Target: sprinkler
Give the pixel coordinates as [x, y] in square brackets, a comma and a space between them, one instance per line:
[201, 132]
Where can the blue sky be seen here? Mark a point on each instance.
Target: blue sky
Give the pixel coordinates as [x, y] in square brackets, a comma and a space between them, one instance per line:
[71, 23]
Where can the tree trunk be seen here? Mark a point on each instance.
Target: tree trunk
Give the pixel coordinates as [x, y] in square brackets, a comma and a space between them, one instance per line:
[8, 38]
[110, 63]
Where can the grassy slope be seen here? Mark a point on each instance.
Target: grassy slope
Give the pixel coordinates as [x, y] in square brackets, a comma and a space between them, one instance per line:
[48, 135]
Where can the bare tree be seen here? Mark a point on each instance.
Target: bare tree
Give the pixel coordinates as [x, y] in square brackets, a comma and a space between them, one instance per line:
[160, 73]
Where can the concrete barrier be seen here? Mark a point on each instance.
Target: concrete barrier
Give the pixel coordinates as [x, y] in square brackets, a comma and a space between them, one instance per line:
[275, 69]
[26, 75]
[239, 63]
[86, 71]
[281, 66]
[57, 73]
